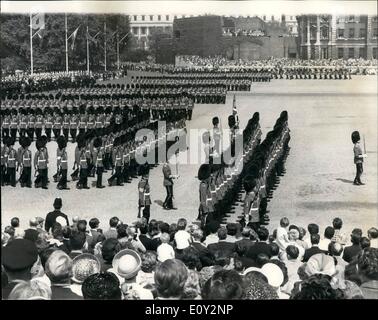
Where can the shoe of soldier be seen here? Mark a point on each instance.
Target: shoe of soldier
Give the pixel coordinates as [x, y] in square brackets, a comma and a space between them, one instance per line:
[86, 187]
[361, 183]
[173, 208]
[100, 187]
[44, 188]
[120, 184]
[356, 183]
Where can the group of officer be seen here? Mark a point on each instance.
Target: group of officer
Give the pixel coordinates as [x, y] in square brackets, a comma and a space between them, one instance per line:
[256, 169]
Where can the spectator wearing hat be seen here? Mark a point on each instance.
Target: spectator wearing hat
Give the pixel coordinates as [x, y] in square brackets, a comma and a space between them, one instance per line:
[170, 279]
[223, 249]
[58, 268]
[17, 258]
[31, 290]
[205, 256]
[101, 286]
[373, 236]
[52, 216]
[258, 289]
[15, 222]
[112, 232]
[315, 238]
[165, 251]
[261, 246]
[367, 262]
[83, 266]
[223, 285]
[353, 250]
[32, 233]
[328, 235]
[339, 236]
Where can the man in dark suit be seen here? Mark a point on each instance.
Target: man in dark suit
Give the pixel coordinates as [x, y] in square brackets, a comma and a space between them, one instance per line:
[206, 257]
[315, 238]
[53, 215]
[222, 249]
[353, 250]
[261, 246]
[168, 184]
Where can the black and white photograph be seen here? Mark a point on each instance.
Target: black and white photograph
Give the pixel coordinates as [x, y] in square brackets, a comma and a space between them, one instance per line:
[189, 150]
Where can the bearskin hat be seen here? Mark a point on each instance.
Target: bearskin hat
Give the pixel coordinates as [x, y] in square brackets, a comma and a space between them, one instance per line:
[97, 143]
[82, 108]
[249, 183]
[144, 169]
[80, 139]
[21, 140]
[26, 142]
[204, 172]
[62, 143]
[355, 136]
[10, 141]
[215, 121]
[44, 140]
[39, 143]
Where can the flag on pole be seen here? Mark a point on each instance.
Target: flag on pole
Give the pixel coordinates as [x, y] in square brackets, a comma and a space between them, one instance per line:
[38, 21]
[93, 38]
[73, 36]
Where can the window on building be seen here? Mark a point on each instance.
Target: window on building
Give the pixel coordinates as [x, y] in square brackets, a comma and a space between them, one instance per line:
[324, 33]
[159, 17]
[374, 19]
[143, 29]
[340, 53]
[375, 32]
[362, 33]
[351, 53]
[167, 17]
[151, 17]
[135, 18]
[291, 29]
[143, 18]
[351, 33]
[135, 30]
[375, 53]
[340, 33]
[362, 53]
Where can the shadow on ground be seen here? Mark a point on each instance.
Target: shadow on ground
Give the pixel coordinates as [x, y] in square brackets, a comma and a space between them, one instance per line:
[334, 205]
[344, 180]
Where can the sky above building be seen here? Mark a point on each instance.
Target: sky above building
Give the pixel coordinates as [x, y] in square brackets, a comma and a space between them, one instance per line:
[235, 8]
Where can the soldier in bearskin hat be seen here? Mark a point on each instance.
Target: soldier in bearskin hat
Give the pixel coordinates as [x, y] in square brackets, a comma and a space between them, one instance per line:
[358, 157]
[23, 122]
[144, 201]
[81, 162]
[41, 160]
[57, 123]
[11, 162]
[38, 123]
[98, 161]
[206, 208]
[49, 123]
[117, 163]
[25, 161]
[62, 163]
[31, 124]
[66, 123]
[216, 136]
[74, 123]
[82, 119]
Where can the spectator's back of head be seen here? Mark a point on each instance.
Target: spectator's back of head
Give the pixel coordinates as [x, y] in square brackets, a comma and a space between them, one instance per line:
[149, 261]
[364, 243]
[367, 261]
[246, 232]
[77, 240]
[232, 229]
[59, 267]
[15, 222]
[337, 223]
[94, 223]
[274, 249]
[335, 249]
[197, 235]
[315, 238]
[213, 226]
[329, 232]
[284, 222]
[82, 225]
[31, 290]
[181, 224]
[110, 248]
[373, 233]
[165, 237]
[261, 259]
[313, 228]
[263, 233]
[292, 252]
[121, 231]
[113, 222]
[223, 285]
[356, 236]
[191, 258]
[101, 286]
[170, 278]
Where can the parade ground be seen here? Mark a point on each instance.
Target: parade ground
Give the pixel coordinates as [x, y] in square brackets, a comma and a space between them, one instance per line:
[317, 185]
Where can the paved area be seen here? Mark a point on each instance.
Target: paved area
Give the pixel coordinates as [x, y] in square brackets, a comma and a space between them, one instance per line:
[316, 187]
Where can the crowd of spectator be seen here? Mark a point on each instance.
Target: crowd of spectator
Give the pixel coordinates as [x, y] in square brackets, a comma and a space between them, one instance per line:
[60, 258]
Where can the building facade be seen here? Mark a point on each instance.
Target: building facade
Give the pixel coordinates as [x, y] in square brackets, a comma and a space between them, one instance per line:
[337, 37]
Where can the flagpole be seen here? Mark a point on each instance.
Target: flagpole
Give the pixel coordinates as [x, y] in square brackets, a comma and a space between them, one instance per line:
[31, 45]
[65, 25]
[87, 51]
[117, 50]
[105, 43]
